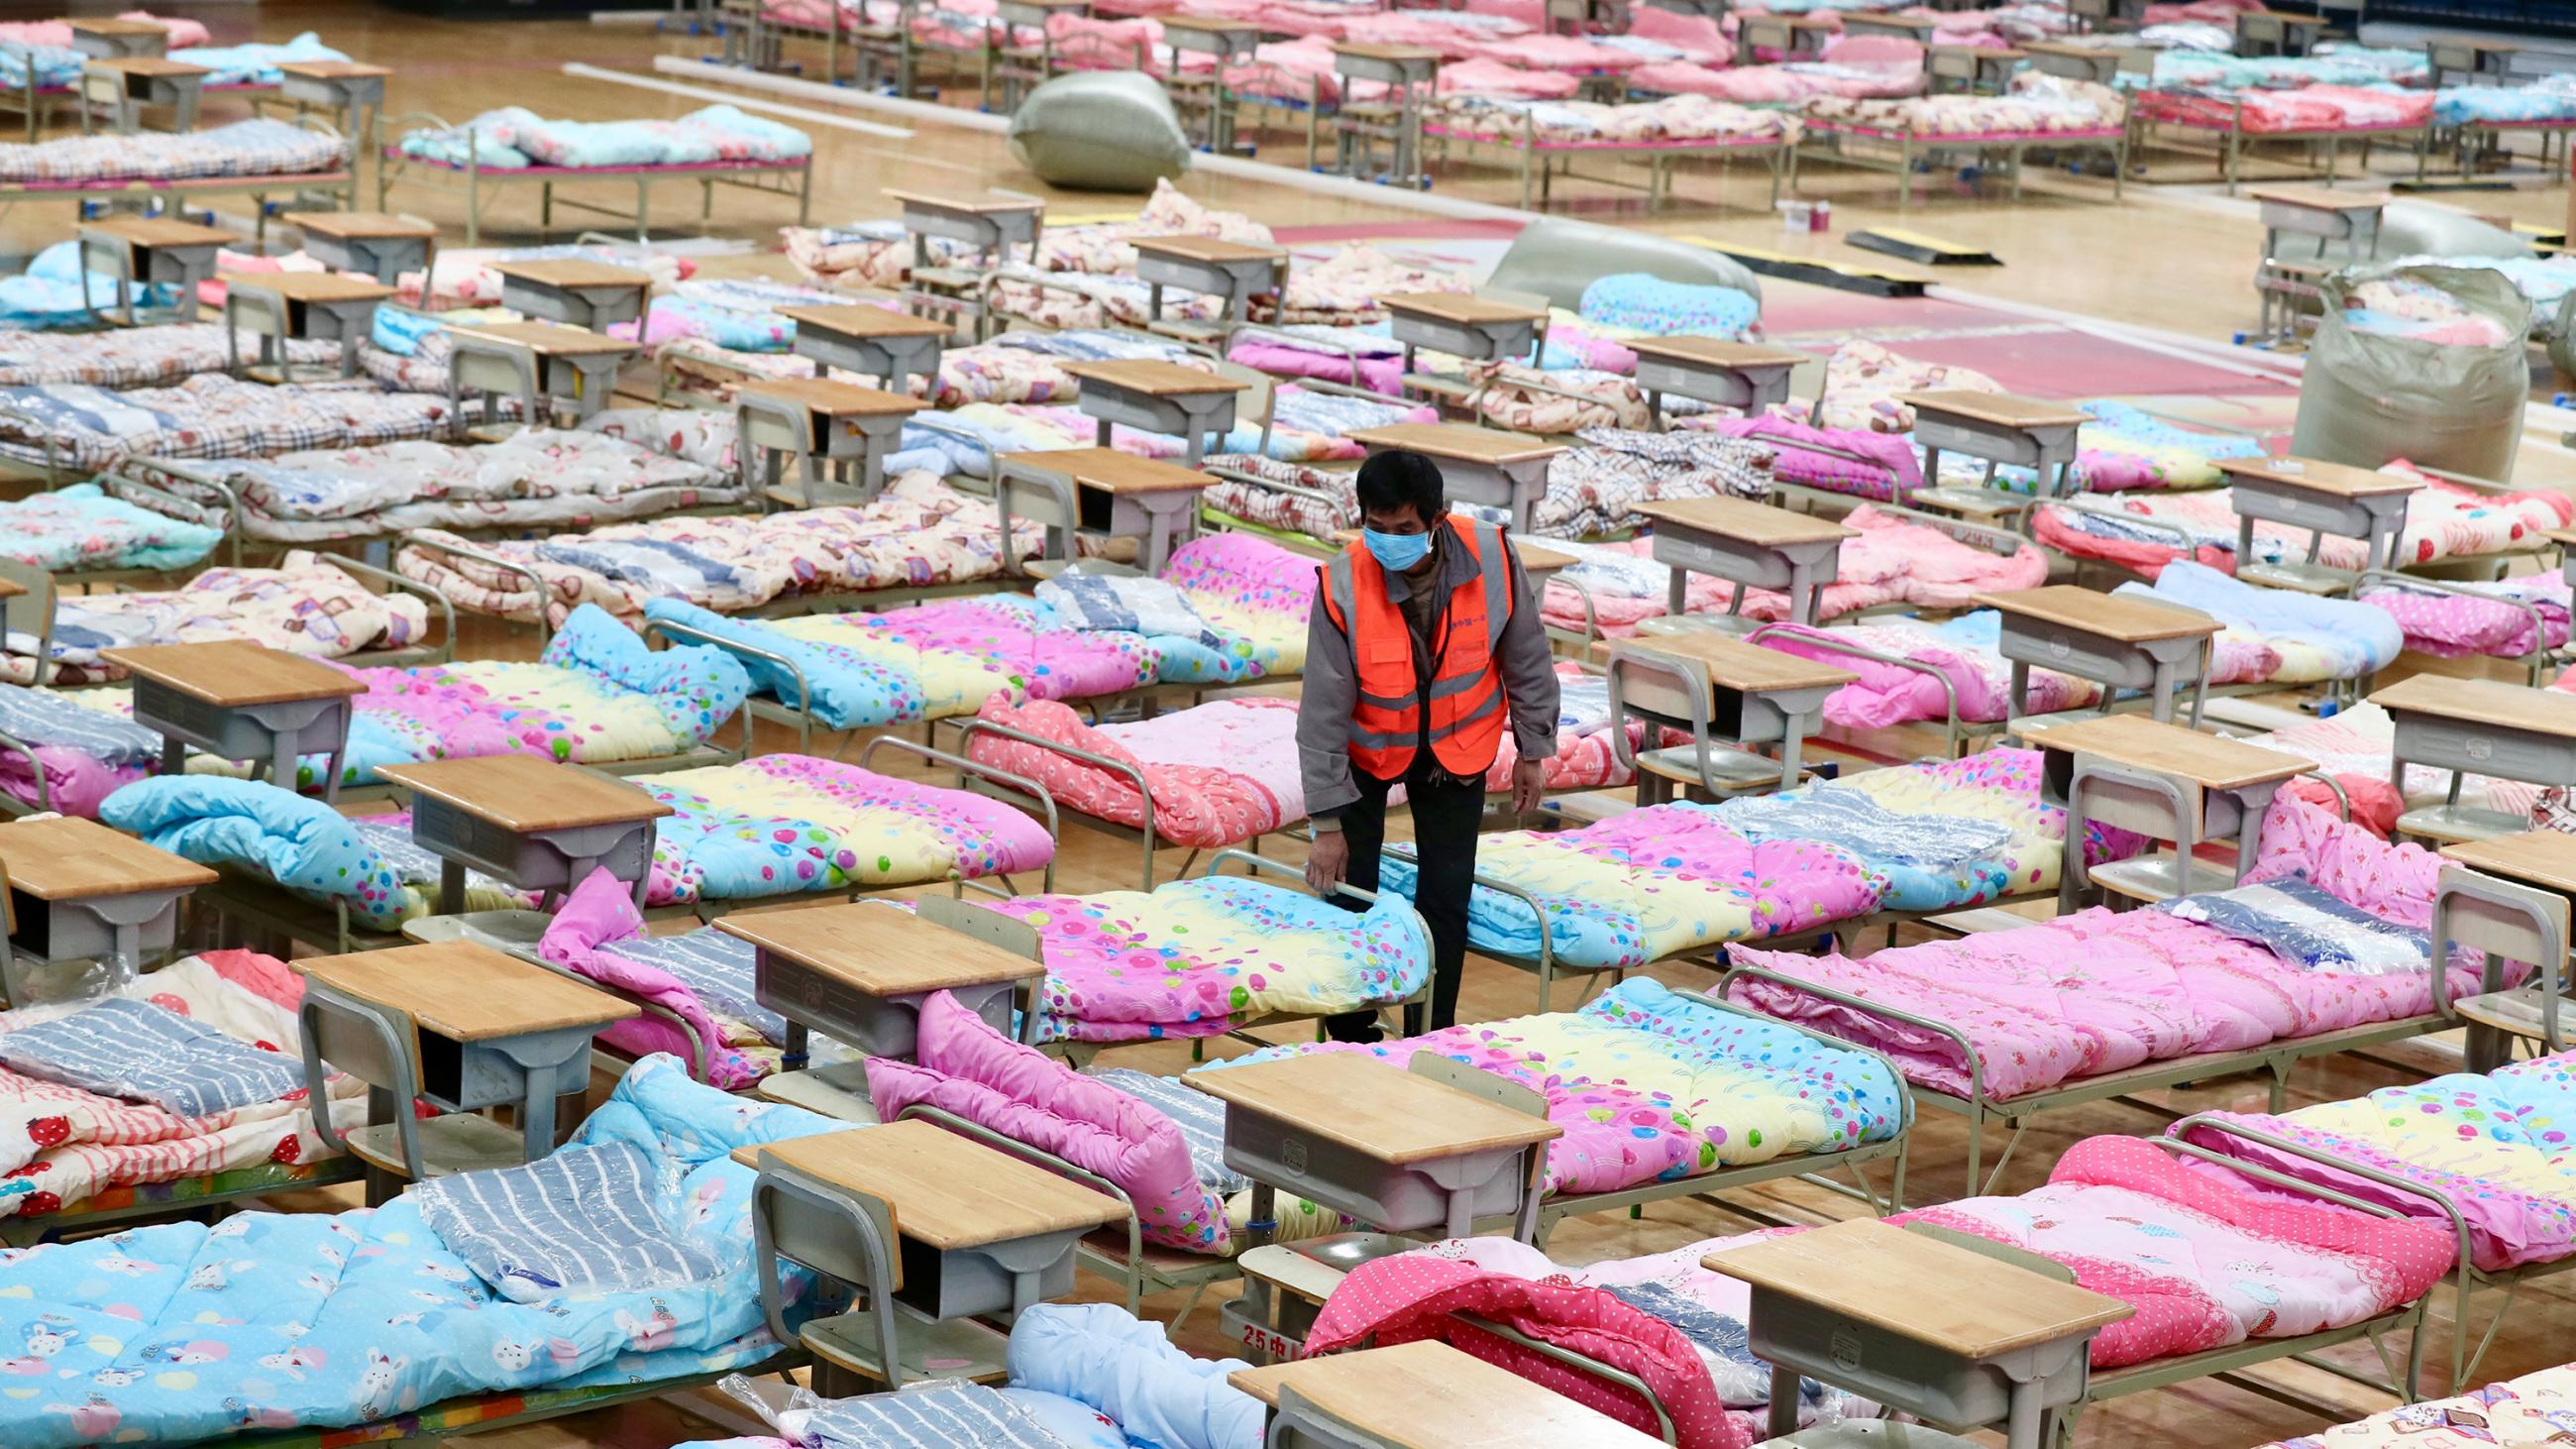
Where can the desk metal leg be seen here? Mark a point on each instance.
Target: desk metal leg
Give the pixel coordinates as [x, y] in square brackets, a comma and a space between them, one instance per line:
[1677, 593]
[537, 1134]
[1784, 1401]
[1802, 593]
[451, 887]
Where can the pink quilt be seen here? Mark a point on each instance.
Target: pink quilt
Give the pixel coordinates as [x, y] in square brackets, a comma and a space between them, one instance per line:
[1889, 695]
[2452, 626]
[2208, 1259]
[1415, 1296]
[1885, 471]
[2309, 108]
[1204, 765]
[2101, 991]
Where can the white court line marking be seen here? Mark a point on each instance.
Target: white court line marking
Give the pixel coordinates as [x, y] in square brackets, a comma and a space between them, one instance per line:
[700, 93]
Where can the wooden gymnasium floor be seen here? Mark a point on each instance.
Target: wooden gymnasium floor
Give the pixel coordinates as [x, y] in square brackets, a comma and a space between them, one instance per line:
[2177, 261]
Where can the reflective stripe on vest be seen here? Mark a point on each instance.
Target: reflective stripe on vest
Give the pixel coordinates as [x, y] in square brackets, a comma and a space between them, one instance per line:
[1465, 698]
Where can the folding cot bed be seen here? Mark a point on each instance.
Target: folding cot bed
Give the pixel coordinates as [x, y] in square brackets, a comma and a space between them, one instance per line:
[2040, 113]
[160, 355]
[325, 606]
[1593, 487]
[1900, 559]
[220, 1125]
[2453, 523]
[2319, 949]
[2226, 1269]
[1227, 610]
[1661, 1094]
[69, 430]
[2234, 121]
[1677, 881]
[260, 159]
[617, 465]
[128, 1317]
[2478, 1157]
[1225, 772]
[1543, 140]
[596, 696]
[1020, 366]
[718, 145]
[920, 539]
[1954, 674]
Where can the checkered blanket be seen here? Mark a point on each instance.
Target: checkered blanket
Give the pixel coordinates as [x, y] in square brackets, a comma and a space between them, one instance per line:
[245, 148]
[205, 417]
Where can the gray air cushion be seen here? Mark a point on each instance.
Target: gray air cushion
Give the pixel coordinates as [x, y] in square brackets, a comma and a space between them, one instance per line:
[2367, 398]
[1557, 259]
[1100, 131]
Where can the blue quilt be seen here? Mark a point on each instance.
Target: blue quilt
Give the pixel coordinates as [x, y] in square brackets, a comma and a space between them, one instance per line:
[300, 843]
[270, 1321]
[2347, 640]
[143, 1052]
[1920, 858]
[255, 65]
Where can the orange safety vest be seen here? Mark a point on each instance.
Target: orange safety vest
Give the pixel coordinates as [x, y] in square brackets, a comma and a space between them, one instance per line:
[1466, 694]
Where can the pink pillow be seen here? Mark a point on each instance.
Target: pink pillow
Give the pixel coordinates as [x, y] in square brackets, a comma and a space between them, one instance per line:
[969, 1069]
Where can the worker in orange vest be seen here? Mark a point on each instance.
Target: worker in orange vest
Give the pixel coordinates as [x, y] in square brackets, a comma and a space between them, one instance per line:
[1423, 641]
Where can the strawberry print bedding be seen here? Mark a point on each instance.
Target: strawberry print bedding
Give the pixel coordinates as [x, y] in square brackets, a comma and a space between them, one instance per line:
[2096, 992]
[2207, 1258]
[67, 1146]
[2492, 1146]
[786, 824]
[211, 416]
[2444, 520]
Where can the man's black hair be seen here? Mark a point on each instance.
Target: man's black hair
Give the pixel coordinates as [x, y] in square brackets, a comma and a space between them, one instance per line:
[1395, 478]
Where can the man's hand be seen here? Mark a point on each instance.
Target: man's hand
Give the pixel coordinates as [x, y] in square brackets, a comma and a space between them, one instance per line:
[1529, 778]
[1326, 861]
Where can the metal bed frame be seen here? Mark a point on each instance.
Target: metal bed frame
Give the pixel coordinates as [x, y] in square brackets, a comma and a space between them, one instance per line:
[482, 1414]
[2231, 139]
[1865, 147]
[2466, 1278]
[473, 180]
[332, 190]
[132, 1205]
[2274, 1058]
[1541, 161]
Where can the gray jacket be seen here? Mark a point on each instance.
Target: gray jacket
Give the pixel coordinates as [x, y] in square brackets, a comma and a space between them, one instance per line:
[1527, 666]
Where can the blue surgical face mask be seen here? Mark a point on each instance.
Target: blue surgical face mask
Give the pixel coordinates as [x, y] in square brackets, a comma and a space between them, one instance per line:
[1397, 551]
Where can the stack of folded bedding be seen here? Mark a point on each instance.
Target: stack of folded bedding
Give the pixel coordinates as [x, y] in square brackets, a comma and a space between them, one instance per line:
[2444, 520]
[2408, 306]
[2550, 99]
[304, 606]
[243, 148]
[192, 1071]
[2372, 106]
[513, 139]
[2035, 104]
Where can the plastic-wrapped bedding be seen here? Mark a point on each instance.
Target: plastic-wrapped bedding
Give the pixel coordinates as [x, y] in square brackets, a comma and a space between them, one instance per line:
[2444, 520]
[324, 1351]
[2326, 933]
[71, 1146]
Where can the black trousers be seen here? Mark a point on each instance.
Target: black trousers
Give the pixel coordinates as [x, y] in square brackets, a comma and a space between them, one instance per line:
[1446, 813]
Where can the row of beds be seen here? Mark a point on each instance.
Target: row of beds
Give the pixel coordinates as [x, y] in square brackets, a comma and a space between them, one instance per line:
[1779, 1051]
[302, 160]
